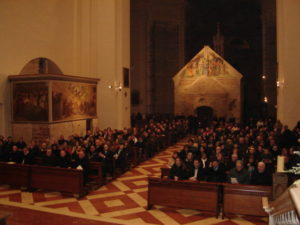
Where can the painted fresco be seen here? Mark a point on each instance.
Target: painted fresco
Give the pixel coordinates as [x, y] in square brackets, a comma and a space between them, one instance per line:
[30, 102]
[73, 101]
[208, 80]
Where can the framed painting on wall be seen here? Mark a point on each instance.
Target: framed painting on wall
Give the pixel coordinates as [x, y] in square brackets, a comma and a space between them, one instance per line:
[73, 101]
[30, 102]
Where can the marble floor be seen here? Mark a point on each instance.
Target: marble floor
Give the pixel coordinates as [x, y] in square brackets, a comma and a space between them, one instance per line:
[122, 201]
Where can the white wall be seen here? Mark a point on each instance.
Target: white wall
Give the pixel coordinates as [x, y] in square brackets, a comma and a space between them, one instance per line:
[288, 54]
[83, 37]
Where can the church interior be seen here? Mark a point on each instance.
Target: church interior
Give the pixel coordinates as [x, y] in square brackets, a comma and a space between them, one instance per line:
[149, 112]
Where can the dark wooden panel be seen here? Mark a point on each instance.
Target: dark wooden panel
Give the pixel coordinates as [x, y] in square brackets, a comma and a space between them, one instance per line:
[245, 199]
[57, 179]
[183, 194]
[14, 174]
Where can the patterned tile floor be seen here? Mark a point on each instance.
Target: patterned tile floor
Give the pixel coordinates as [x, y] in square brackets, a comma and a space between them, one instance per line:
[122, 201]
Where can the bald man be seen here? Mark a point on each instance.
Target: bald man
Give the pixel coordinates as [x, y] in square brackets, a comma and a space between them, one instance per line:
[261, 176]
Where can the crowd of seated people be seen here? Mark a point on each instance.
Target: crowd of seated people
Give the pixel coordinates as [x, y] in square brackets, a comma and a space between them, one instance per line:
[229, 152]
[108, 146]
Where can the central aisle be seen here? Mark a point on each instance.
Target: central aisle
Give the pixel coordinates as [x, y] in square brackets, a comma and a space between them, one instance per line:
[122, 201]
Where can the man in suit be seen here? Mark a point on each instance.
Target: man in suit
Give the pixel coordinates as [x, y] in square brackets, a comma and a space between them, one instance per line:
[106, 157]
[28, 157]
[261, 176]
[120, 157]
[197, 173]
[15, 155]
[216, 172]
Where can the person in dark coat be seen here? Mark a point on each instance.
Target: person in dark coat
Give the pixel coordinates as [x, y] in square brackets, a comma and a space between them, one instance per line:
[28, 157]
[239, 174]
[49, 159]
[178, 171]
[261, 176]
[15, 155]
[120, 157]
[216, 172]
[106, 157]
[64, 159]
[197, 173]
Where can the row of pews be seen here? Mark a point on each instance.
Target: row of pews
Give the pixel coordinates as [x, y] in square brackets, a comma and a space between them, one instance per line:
[71, 181]
[65, 180]
[222, 199]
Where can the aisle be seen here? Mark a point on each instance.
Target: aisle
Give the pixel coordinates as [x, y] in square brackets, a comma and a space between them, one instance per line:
[122, 201]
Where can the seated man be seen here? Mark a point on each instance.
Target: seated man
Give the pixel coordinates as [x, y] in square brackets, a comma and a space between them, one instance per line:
[15, 155]
[239, 174]
[178, 171]
[106, 157]
[49, 159]
[64, 159]
[120, 157]
[28, 157]
[189, 162]
[261, 176]
[197, 173]
[216, 172]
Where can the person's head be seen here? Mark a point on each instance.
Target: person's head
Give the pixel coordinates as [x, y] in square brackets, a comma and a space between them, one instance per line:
[189, 156]
[203, 156]
[44, 145]
[261, 167]
[14, 148]
[251, 149]
[178, 162]
[81, 154]
[62, 153]
[215, 163]
[266, 151]
[25, 151]
[239, 165]
[234, 157]
[49, 152]
[92, 148]
[106, 147]
[196, 163]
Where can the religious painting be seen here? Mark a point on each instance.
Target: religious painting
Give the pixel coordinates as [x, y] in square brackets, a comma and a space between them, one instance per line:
[73, 101]
[30, 102]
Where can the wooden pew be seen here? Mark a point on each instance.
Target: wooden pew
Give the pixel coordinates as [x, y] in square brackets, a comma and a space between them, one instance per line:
[245, 199]
[57, 179]
[183, 194]
[95, 174]
[14, 174]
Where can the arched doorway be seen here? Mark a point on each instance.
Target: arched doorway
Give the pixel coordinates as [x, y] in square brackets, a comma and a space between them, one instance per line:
[205, 115]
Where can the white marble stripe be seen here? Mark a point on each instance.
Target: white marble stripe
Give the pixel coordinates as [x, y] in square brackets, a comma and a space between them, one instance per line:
[131, 178]
[105, 195]
[121, 186]
[88, 207]
[123, 212]
[163, 217]
[54, 202]
[138, 199]
[27, 197]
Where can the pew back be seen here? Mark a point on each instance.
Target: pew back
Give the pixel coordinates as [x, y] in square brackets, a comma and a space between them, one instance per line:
[14, 174]
[183, 194]
[57, 179]
[245, 199]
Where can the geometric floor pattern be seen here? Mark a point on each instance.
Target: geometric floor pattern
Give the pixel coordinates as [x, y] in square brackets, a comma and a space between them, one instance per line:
[122, 201]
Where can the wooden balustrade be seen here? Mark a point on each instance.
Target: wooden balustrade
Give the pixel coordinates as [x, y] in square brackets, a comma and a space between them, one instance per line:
[286, 208]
